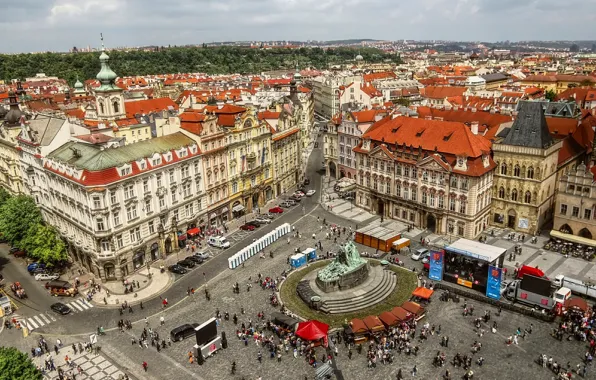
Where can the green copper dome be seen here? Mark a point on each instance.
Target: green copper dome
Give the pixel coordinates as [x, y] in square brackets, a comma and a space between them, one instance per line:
[78, 84]
[106, 75]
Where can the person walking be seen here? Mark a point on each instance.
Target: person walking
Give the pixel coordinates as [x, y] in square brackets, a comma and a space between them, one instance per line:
[233, 368]
[414, 370]
[162, 320]
[145, 366]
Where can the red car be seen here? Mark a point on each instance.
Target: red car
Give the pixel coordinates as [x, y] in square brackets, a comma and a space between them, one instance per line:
[247, 227]
[276, 210]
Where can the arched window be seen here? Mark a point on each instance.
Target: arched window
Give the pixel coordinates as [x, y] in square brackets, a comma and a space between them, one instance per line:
[514, 195]
[116, 106]
[530, 173]
[504, 168]
[516, 171]
[528, 197]
[102, 108]
[501, 192]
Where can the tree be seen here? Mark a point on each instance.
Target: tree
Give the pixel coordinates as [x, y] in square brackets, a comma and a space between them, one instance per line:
[17, 215]
[402, 102]
[15, 365]
[4, 195]
[574, 48]
[550, 95]
[43, 244]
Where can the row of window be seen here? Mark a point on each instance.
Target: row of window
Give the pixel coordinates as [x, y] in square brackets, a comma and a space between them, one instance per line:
[588, 214]
[517, 171]
[515, 196]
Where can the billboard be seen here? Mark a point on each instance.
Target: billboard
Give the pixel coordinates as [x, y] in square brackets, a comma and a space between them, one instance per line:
[435, 271]
[493, 285]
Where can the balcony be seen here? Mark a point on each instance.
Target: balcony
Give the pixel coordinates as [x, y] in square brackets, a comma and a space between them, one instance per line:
[251, 156]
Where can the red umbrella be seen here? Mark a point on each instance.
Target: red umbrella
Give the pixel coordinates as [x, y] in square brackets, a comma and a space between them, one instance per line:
[312, 330]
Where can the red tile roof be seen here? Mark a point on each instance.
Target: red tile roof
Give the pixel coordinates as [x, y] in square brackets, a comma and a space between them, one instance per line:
[268, 115]
[377, 76]
[149, 105]
[560, 127]
[444, 136]
[442, 92]
[226, 109]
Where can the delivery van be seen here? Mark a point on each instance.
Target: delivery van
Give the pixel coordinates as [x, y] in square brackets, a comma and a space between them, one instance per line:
[218, 242]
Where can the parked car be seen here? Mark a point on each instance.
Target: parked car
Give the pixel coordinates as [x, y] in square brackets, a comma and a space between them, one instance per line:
[268, 215]
[46, 276]
[177, 269]
[310, 193]
[262, 220]
[195, 259]
[286, 204]
[60, 308]
[219, 242]
[203, 255]
[307, 181]
[182, 332]
[247, 227]
[299, 193]
[186, 263]
[295, 198]
[425, 258]
[33, 267]
[276, 210]
[254, 224]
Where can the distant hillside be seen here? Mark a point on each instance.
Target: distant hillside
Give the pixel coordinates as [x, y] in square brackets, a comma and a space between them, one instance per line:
[211, 60]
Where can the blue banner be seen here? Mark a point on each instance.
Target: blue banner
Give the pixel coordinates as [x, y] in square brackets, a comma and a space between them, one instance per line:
[493, 284]
[435, 271]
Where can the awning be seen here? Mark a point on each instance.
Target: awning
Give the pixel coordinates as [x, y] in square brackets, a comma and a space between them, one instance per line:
[238, 208]
[182, 237]
[213, 216]
[224, 210]
[194, 231]
[573, 238]
[422, 292]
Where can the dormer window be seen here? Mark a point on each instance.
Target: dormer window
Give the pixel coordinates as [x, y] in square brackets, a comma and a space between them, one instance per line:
[183, 153]
[156, 162]
[168, 157]
[125, 171]
[143, 165]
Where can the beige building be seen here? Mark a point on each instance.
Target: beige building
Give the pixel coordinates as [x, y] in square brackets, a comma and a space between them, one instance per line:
[525, 179]
[575, 210]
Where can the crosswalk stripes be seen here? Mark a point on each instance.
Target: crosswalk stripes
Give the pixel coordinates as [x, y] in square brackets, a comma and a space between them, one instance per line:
[42, 319]
[80, 304]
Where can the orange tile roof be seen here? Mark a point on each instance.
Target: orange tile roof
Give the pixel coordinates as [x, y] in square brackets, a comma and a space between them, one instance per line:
[227, 108]
[371, 91]
[76, 113]
[377, 76]
[367, 116]
[286, 134]
[560, 127]
[447, 137]
[442, 92]
[268, 115]
[149, 105]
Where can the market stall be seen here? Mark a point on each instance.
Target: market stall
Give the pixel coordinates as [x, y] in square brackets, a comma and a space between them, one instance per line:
[401, 313]
[388, 319]
[374, 324]
[415, 309]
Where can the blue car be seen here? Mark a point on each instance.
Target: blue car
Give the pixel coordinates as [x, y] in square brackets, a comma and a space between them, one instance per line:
[35, 266]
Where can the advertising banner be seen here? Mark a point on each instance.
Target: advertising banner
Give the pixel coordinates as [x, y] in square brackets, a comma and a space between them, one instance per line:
[436, 265]
[493, 284]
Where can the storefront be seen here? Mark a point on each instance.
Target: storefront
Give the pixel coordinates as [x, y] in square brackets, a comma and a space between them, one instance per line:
[238, 210]
[181, 239]
[154, 251]
[268, 194]
[138, 260]
[224, 215]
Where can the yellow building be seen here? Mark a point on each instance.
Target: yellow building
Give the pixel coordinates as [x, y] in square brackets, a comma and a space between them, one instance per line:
[558, 83]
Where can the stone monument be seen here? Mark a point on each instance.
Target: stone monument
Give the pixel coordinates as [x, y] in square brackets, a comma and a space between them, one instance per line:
[346, 271]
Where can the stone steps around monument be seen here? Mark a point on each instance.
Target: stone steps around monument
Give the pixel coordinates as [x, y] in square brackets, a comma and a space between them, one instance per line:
[381, 291]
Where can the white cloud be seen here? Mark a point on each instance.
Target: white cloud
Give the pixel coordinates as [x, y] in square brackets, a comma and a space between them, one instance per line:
[61, 24]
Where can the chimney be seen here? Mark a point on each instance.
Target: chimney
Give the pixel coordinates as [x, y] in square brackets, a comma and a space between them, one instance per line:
[474, 127]
[447, 108]
[473, 109]
[428, 117]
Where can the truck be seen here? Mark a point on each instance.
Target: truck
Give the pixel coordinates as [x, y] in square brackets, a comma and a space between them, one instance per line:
[576, 286]
[536, 291]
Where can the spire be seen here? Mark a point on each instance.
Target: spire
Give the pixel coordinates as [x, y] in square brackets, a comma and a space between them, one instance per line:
[106, 75]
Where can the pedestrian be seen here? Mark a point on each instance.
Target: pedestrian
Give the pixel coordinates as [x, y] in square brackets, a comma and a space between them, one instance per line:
[414, 370]
[260, 357]
[162, 320]
[233, 368]
[146, 321]
[145, 365]
[74, 348]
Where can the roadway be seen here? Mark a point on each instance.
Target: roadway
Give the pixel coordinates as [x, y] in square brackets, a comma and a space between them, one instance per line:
[39, 300]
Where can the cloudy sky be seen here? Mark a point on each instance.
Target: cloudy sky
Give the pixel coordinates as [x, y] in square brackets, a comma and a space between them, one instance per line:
[58, 25]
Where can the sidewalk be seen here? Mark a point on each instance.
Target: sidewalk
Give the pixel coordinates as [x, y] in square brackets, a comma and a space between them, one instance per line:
[341, 207]
[158, 283]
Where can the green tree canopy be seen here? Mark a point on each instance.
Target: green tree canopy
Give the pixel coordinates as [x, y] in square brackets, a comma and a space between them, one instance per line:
[15, 365]
[550, 95]
[212, 60]
[4, 195]
[574, 48]
[17, 215]
[43, 244]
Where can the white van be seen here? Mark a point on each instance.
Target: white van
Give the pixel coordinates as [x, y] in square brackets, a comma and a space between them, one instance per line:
[219, 242]
[419, 254]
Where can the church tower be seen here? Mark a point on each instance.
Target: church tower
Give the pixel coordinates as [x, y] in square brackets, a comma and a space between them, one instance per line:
[109, 100]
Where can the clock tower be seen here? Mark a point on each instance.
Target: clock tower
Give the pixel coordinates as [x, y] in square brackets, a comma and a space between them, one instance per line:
[109, 100]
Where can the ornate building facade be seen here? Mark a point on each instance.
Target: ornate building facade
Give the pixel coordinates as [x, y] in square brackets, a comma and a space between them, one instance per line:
[432, 174]
[525, 179]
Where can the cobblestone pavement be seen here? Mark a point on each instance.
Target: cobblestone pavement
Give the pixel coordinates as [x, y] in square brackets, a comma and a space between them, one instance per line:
[173, 360]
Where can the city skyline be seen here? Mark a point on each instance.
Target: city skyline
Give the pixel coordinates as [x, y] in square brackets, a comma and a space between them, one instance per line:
[58, 25]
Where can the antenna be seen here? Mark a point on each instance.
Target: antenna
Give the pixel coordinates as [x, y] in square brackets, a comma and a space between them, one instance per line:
[103, 48]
